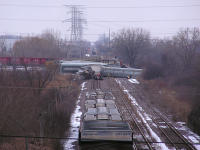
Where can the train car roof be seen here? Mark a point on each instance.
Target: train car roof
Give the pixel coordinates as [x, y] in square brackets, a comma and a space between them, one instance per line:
[102, 110]
[118, 68]
[90, 102]
[105, 125]
[116, 117]
[102, 116]
[80, 63]
[92, 111]
[110, 106]
[89, 117]
[114, 111]
[110, 102]
[100, 100]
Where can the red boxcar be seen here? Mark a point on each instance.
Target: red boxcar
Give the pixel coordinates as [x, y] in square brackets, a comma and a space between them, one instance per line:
[5, 60]
[23, 60]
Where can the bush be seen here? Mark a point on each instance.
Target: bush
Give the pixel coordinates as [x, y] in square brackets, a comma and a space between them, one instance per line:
[153, 71]
[30, 111]
[194, 120]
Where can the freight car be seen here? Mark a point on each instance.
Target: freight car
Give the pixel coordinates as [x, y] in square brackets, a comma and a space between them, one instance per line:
[19, 61]
[76, 65]
[101, 120]
[120, 72]
[96, 72]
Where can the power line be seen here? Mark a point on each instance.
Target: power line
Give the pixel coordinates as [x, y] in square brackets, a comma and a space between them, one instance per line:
[153, 20]
[101, 21]
[77, 21]
[84, 34]
[138, 7]
[28, 19]
[103, 7]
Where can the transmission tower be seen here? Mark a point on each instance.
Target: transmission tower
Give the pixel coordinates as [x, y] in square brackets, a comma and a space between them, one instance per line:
[77, 22]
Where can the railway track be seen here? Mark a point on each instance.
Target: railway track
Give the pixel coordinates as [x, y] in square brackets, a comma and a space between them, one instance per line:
[127, 111]
[170, 135]
[95, 84]
[135, 125]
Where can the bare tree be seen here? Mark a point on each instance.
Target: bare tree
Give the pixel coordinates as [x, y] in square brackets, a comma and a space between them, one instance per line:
[186, 44]
[2, 45]
[103, 45]
[45, 46]
[128, 43]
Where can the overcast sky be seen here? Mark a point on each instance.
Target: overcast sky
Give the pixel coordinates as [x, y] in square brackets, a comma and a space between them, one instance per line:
[161, 17]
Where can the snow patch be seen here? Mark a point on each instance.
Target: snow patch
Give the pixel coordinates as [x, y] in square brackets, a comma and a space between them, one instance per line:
[74, 123]
[193, 139]
[134, 81]
[83, 86]
[191, 136]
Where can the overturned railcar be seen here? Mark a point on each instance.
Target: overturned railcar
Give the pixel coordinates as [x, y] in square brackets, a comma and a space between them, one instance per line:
[120, 72]
[101, 121]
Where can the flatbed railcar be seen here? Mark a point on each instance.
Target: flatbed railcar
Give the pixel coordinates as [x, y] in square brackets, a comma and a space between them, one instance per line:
[105, 130]
[101, 121]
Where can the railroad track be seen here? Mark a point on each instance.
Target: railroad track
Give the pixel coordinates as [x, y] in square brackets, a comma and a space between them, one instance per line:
[95, 84]
[170, 135]
[127, 111]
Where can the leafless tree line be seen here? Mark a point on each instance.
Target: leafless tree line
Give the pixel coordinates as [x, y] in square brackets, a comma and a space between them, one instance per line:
[32, 105]
[136, 48]
[49, 44]
[175, 61]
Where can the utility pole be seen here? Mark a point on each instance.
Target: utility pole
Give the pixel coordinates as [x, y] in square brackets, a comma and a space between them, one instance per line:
[77, 22]
[109, 39]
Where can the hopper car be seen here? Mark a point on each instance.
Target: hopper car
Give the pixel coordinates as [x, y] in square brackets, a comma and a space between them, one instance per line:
[101, 120]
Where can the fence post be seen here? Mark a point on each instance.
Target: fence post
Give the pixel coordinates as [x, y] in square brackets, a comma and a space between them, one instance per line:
[26, 142]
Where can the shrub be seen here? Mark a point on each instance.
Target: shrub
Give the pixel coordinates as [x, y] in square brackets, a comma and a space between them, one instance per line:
[194, 119]
[153, 71]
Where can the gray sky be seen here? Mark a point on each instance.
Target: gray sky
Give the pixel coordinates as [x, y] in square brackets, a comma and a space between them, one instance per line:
[161, 17]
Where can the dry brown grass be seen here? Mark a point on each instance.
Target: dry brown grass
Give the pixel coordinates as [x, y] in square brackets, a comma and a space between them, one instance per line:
[19, 144]
[168, 98]
[21, 109]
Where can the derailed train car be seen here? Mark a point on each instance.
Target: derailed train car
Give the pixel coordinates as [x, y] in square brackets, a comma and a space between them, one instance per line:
[101, 121]
[120, 72]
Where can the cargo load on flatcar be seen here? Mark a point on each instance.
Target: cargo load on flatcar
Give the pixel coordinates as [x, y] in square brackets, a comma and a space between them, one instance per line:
[102, 121]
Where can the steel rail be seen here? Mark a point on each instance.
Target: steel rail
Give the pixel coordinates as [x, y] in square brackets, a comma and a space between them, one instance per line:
[169, 139]
[135, 122]
[175, 131]
[134, 144]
